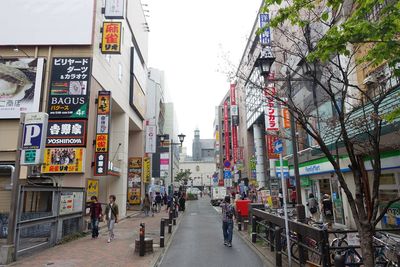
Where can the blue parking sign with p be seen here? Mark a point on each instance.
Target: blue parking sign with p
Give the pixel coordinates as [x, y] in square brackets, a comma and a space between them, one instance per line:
[32, 136]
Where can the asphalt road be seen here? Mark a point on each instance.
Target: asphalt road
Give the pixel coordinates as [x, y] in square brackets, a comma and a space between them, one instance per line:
[199, 242]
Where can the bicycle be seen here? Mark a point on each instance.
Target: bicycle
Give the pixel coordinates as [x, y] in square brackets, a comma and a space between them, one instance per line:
[386, 250]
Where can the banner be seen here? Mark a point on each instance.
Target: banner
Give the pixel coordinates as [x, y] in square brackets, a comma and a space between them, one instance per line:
[271, 110]
[102, 133]
[234, 122]
[92, 188]
[63, 160]
[20, 86]
[69, 88]
[111, 38]
[66, 133]
[270, 146]
[164, 165]
[226, 131]
[286, 117]
[151, 136]
[146, 170]
[134, 180]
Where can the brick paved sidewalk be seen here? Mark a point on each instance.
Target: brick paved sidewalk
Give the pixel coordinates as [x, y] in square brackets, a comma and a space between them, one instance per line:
[97, 252]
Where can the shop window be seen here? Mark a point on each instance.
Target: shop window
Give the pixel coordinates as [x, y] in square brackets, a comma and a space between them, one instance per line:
[389, 190]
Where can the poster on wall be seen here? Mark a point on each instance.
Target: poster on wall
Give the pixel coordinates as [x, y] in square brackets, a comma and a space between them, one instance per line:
[66, 203]
[20, 86]
[69, 88]
[92, 188]
[134, 179]
[66, 133]
[63, 160]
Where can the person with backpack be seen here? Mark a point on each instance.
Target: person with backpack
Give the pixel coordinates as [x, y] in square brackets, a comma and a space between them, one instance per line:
[228, 212]
[111, 217]
[312, 204]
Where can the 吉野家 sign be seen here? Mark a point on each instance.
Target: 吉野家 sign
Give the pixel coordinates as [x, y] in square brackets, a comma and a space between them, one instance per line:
[111, 38]
[33, 138]
[20, 86]
[100, 164]
[63, 160]
[69, 88]
[66, 133]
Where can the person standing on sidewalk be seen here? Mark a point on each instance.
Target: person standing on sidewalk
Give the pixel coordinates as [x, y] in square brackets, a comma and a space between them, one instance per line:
[158, 199]
[112, 217]
[95, 216]
[228, 212]
[146, 205]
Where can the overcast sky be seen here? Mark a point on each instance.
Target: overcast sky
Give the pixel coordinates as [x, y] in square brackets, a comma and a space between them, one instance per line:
[188, 40]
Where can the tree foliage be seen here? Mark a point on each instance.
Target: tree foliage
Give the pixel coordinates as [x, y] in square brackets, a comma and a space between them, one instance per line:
[183, 176]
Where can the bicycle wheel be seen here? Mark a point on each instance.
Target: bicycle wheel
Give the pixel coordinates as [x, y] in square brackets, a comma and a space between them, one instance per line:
[294, 250]
[352, 256]
[337, 242]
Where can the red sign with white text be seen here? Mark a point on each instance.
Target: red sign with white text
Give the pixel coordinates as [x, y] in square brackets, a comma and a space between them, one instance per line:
[226, 130]
[271, 108]
[234, 127]
[270, 146]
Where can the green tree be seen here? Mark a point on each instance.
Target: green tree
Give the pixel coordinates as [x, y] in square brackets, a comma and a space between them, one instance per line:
[334, 38]
[183, 176]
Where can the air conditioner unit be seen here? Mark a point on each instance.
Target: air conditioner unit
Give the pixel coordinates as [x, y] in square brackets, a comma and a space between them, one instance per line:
[369, 80]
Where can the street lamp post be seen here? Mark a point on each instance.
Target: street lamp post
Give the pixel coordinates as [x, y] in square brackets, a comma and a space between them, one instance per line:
[163, 138]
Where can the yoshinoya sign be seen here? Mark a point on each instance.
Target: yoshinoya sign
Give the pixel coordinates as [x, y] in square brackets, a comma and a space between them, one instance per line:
[66, 133]
[33, 138]
[20, 86]
[69, 88]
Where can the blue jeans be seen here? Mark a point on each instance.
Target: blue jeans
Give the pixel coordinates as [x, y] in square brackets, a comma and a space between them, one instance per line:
[95, 227]
[227, 229]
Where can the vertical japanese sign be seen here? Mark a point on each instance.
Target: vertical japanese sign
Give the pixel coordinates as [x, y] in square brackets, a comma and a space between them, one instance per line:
[69, 88]
[134, 179]
[164, 165]
[234, 117]
[146, 170]
[114, 9]
[270, 139]
[265, 37]
[226, 131]
[33, 138]
[286, 117]
[92, 188]
[111, 38]
[102, 132]
[271, 108]
[151, 136]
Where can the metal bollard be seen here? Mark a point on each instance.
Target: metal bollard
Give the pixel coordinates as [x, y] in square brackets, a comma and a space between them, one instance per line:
[339, 260]
[170, 222]
[162, 232]
[141, 240]
[239, 220]
[254, 230]
[278, 246]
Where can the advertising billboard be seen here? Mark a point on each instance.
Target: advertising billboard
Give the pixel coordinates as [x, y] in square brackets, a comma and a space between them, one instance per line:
[20, 86]
[134, 179]
[111, 38]
[66, 133]
[114, 9]
[92, 188]
[102, 133]
[46, 22]
[69, 88]
[63, 160]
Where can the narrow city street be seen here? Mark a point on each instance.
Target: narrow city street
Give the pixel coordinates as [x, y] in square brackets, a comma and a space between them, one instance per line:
[199, 241]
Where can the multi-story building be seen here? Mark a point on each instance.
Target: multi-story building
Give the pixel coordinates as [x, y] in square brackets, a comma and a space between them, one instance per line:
[84, 64]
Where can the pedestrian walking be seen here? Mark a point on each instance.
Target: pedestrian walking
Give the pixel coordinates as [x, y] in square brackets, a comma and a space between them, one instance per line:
[111, 216]
[312, 204]
[228, 212]
[95, 216]
[146, 205]
[327, 208]
[158, 201]
[182, 202]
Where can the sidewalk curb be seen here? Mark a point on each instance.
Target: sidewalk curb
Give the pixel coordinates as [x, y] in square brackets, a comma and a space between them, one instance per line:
[267, 262]
[164, 250]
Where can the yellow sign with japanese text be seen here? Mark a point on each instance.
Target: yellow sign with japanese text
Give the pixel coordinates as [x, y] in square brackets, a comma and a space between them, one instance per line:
[146, 170]
[63, 160]
[111, 38]
[92, 188]
[101, 142]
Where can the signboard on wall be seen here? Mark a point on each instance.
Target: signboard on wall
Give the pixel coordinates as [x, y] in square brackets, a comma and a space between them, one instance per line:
[20, 86]
[111, 38]
[265, 36]
[134, 179]
[63, 160]
[146, 170]
[114, 9]
[69, 88]
[66, 133]
[102, 133]
[92, 188]
[271, 110]
[270, 146]
[33, 138]
[151, 136]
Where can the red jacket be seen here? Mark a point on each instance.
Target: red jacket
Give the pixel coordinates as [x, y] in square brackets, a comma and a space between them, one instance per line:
[95, 210]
